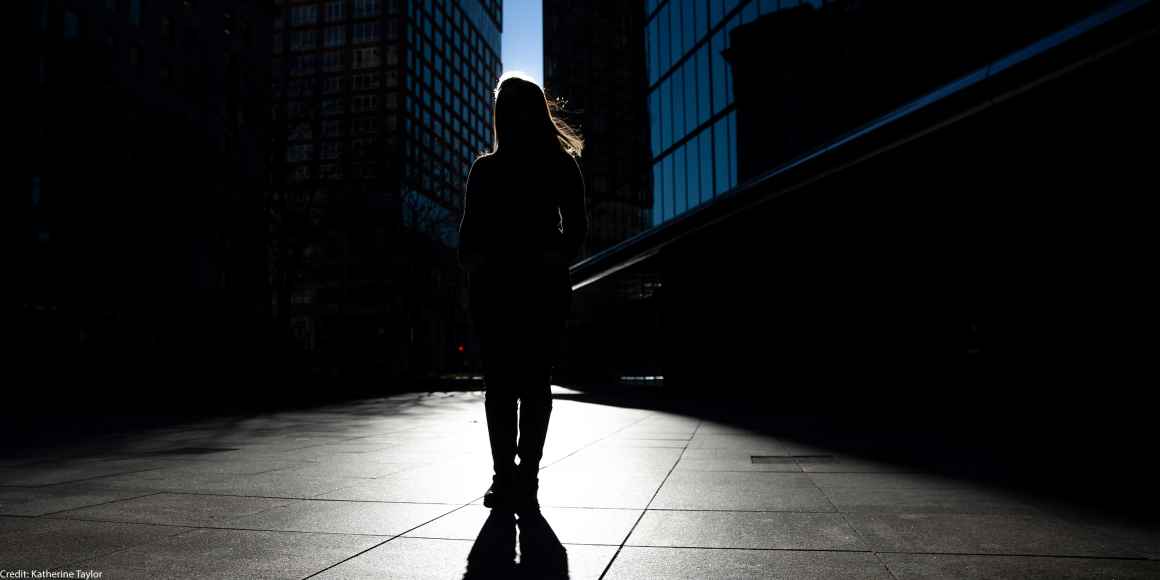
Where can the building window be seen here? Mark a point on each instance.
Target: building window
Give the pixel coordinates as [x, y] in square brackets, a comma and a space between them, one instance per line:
[365, 82]
[332, 61]
[364, 103]
[332, 106]
[334, 85]
[721, 156]
[690, 100]
[299, 152]
[367, 31]
[301, 132]
[334, 10]
[302, 15]
[299, 174]
[137, 60]
[135, 12]
[335, 36]
[167, 32]
[367, 57]
[366, 125]
[692, 174]
[365, 8]
[331, 150]
[332, 128]
[303, 64]
[304, 40]
[706, 144]
[72, 24]
[721, 79]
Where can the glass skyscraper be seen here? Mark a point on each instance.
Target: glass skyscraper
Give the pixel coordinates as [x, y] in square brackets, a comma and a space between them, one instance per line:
[382, 106]
[452, 62]
[691, 107]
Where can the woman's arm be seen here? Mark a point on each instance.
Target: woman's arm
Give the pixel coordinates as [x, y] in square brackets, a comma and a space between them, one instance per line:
[573, 210]
[470, 250]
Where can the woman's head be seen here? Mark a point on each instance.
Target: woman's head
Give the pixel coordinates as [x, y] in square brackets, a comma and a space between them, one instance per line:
[524, 119]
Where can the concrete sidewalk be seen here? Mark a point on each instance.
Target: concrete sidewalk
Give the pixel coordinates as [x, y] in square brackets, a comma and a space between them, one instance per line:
[391, 488]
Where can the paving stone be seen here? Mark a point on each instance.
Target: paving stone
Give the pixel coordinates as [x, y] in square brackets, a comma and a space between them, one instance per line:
[698, 563]
[756, 530]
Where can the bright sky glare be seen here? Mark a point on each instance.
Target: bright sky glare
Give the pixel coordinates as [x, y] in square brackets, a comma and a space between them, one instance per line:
[523, 38]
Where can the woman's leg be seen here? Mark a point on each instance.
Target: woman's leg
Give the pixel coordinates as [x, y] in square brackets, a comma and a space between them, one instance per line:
[536, 391]
[500, 394]
[535, 412]
[499, 405]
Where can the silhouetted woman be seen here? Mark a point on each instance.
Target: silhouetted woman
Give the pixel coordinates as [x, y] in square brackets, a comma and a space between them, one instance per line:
[523, 222]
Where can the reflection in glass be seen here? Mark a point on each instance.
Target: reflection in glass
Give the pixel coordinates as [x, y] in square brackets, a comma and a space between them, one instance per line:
[668, 171]
[703, 85]
[732, 149]
[690, 25]
[658, 195]
[692, 174]
[721, 143]
[665, 52]
[690, 95]
[706, 141]
[654, 121]
[680, 200]
[719, 69]
[666, 114]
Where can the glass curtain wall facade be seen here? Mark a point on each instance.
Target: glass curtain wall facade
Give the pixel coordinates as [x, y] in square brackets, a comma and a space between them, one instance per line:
[692, 115]
[381, 106]
[452, 62]
[594, 61]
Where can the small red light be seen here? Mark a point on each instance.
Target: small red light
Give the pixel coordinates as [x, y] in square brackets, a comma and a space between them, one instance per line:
[460, 348]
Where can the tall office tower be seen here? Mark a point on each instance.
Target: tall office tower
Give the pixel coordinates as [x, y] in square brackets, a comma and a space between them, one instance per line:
[594, 60]
[146, 158]
[382, 106]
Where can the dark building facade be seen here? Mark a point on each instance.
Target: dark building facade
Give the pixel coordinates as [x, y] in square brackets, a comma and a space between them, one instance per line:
[594, 62]
[382, 105]
[865, 168]
[844, 73]
[146, 159]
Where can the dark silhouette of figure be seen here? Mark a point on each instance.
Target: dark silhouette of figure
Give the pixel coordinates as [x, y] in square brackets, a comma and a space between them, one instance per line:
[493, 555]
[523, 222]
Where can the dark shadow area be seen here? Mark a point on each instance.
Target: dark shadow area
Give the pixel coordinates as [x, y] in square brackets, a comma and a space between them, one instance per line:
[824, 301]
[1081, 468]
[493, 556]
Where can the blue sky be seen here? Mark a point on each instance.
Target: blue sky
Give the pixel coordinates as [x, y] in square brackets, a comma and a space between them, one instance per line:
[523, 38]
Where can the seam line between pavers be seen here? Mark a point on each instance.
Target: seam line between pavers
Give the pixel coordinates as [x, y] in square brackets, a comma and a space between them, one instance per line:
[312, 498]
[232, 528]
[473, 539]
[632, 529]
[749, 549]
[99, 504]
[399, 535]
[1026, 555]
[127, 548]
[854, 529]
[83, 479]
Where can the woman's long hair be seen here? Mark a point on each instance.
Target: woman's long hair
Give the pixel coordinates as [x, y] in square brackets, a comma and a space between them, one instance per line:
[524, 118]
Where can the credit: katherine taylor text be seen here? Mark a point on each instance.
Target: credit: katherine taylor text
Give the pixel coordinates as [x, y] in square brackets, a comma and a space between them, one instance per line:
[43, 574]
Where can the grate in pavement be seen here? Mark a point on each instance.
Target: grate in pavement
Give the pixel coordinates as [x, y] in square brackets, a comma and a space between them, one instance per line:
[786, 459]
[193, 450]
